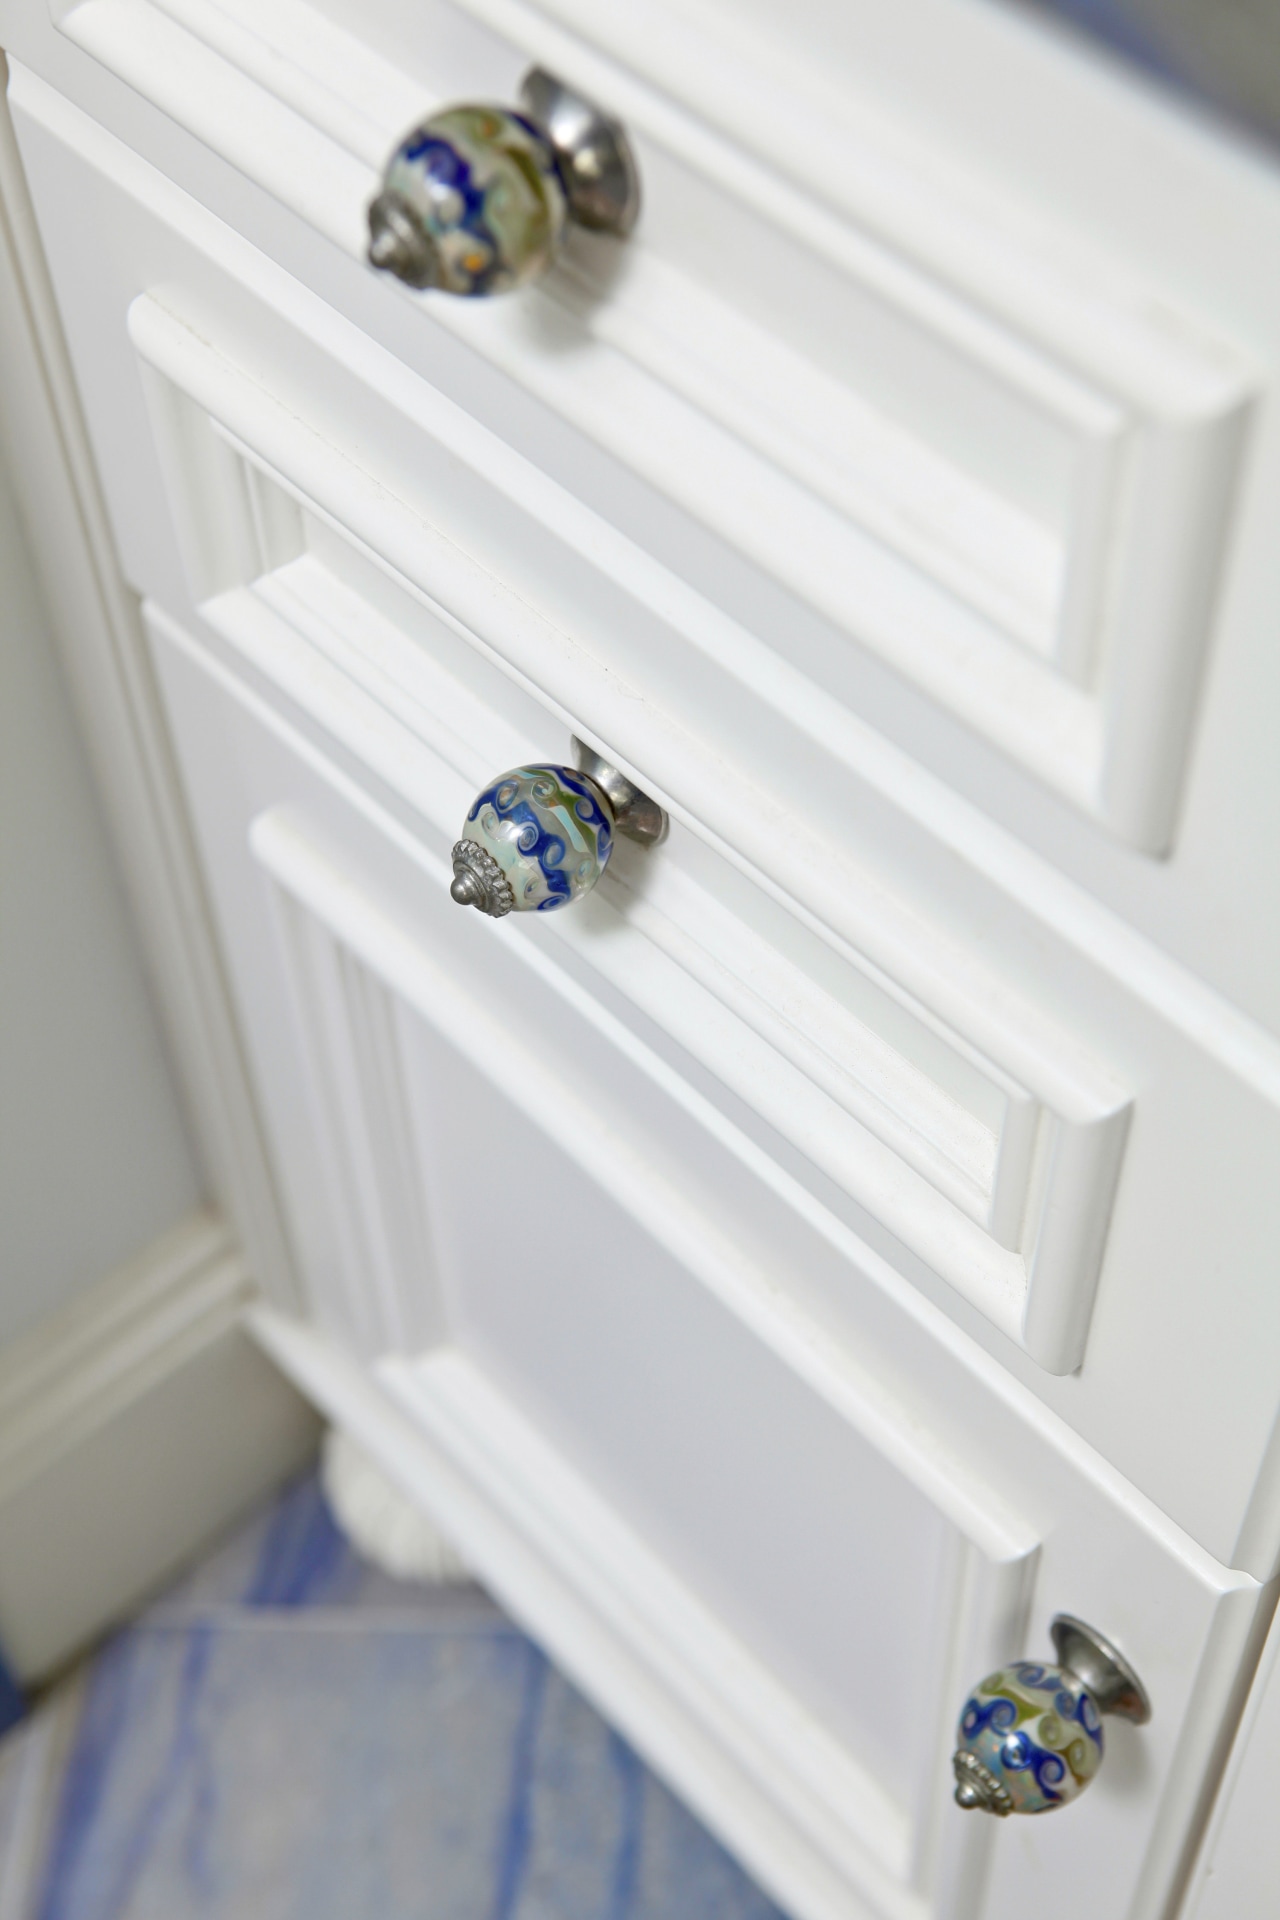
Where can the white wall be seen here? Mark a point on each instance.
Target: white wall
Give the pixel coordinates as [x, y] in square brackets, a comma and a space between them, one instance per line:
[94, 1157]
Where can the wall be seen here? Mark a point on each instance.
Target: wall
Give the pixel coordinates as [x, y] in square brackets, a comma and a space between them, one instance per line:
[94, 1158]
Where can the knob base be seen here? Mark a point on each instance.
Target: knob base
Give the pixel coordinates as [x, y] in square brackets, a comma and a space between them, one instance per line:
[635, 815]
[1106, 1673]
[592, 153]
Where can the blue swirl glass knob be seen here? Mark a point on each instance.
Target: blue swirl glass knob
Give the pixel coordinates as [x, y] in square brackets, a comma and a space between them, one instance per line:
[475, 200]
[538, 837]
[1031, 1734]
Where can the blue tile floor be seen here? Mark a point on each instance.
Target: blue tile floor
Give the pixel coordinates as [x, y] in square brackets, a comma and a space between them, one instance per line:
[288, 1735]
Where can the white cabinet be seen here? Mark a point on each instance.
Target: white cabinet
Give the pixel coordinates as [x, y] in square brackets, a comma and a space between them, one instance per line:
[573, 1264]
[1241, 1860]
[838, 1244]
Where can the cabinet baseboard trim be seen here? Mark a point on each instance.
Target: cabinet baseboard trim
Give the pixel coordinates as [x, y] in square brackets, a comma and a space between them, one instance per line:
[133, 1425]
[652, 1669]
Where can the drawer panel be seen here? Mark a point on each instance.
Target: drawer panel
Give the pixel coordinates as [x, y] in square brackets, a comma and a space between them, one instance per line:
[996, 464]
[969, 320]
[549, 1252]
[1048, 1143]
[999, 1171]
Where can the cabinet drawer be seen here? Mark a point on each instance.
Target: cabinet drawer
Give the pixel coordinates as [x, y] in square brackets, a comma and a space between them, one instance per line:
[1014, 1133]
[768, 1561]
[1002, 473]
[936, 430]
[991, 1149]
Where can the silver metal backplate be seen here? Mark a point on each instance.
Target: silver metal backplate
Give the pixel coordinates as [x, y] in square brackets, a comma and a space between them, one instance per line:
[1113, 1683]
[592, 153]
[635, 815]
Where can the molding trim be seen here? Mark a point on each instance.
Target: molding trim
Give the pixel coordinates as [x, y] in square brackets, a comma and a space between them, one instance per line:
[381, 1287]
[783, 1794]
[133, 1425]
[103, 653]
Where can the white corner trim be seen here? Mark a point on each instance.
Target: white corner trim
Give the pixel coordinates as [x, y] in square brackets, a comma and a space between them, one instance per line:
[133, 1425]
[103, 653]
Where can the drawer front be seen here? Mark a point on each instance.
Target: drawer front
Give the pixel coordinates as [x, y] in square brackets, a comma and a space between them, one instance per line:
[991, 1149]
[1013, 497]
[1046, 1150]
[775, 1569]
[943, 426]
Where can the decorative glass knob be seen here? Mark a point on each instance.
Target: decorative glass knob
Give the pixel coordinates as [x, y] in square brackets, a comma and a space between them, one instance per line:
[539, 837]
[475, 200]
[1031, 1735]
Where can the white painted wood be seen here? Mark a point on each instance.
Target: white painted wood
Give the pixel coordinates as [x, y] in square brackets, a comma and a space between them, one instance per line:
[851, 1810]
[640, 1693]
[694, 1702]
[598, 1362]
[1240, 1867]
[382, 1292]
[1034, 1169]
[133, 1425]
[1064, 614]
[887, 551]
[394, 517]
[698, 1021]
[1002, 146]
